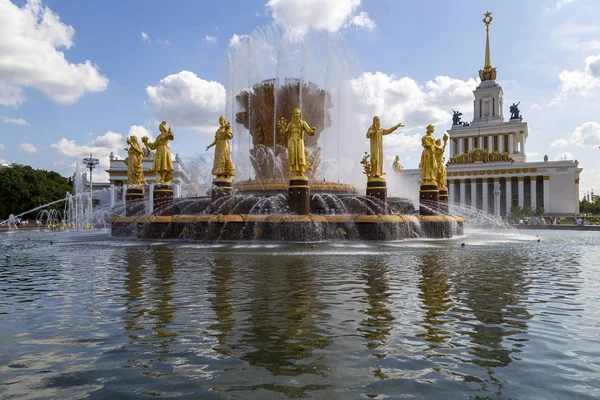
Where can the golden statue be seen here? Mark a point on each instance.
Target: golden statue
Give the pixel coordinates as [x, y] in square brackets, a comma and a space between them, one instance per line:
[396, 166]
[376, 133]
[429, 168]
[295, 132]
[135, 170]
[163, 164]
[439, 159]
[222, 166]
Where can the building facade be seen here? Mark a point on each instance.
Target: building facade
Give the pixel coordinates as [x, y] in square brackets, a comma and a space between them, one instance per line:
[487, 163]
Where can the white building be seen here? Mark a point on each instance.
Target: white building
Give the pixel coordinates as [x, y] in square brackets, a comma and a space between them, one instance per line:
[489, 154]
[117, 172]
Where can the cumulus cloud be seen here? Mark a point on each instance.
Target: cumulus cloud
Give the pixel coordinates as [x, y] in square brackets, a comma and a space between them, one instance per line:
[16, 121]
[561, 3]
[586, 135]
[579, 81]
[564, 156]
[559, 143]
[362, 20]
[140, 132]
[300, 16]
[404, 99]
[185, 100]
[32, 43]
[144, 36]
[210, 39]
[27, 148]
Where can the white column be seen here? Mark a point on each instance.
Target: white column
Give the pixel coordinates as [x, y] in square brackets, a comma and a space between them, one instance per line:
[451, 197]
[521, 192]
[452, 147]
[470, 144]
[463, 195]
[511, 143]
[461, 145]
[501, 143]
[484, 194]
[474, 193]
[490, 143]
[547, 194]
[522, 140]
[533, 192]
[508, 191]
[480, 140]
[113, 194]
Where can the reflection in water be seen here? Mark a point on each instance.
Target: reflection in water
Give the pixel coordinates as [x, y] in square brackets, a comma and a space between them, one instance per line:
[149, 301]
[163, 294]
[286, 322]
[377, 326]
[492, 290]
[222, 277]
[134, 285]
[434, 287]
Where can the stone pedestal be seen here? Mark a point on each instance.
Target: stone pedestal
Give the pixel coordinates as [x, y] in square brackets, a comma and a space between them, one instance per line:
[221, 187]
[429, 197]
[443, 202]
[299, 195]
[135, 205]
[377, 188]
[163, 199]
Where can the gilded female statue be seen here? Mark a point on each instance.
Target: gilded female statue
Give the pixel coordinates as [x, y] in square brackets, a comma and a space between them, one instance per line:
[429, 168]
[376, 133]
[295, 131]
[222, 166]
[163, 164]
[135, 171]
[441, 175]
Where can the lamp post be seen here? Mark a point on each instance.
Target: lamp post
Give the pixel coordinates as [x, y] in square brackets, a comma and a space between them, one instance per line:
[91, 164]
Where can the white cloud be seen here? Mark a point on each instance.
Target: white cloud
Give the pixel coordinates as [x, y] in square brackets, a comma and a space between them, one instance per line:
[586, 135]
[27, 148]
[162, 41]
[403, 99]
[100, 148]
[579, 81]
[16, 121]
[144, 36]
[140, 131]
[32, 41]
[2, 146]
[185, 100]
[570, 36]
[300, 16]
[559, 143]
[564, 156]
[237, 39]
[210, 39]
[561, 3]
[362, 20]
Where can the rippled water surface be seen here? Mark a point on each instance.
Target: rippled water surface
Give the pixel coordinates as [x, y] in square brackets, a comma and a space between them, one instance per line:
[509, 315]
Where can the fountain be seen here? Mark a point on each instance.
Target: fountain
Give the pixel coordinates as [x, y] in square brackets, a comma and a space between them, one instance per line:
[285, 142]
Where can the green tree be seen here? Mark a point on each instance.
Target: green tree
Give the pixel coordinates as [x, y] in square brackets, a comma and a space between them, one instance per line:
[538, 211]
[23, 188]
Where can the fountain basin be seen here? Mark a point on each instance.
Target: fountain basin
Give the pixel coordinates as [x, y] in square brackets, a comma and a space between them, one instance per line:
[288, 227]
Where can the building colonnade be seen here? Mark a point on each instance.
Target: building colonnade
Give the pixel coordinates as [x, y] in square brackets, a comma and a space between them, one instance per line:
[478, 192]
[513, 143]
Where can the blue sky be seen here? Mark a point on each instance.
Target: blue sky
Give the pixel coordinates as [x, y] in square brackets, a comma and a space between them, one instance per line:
[419, 59]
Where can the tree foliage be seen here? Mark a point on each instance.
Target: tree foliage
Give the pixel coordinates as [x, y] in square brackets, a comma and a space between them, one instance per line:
[23, 188]
[590, 207]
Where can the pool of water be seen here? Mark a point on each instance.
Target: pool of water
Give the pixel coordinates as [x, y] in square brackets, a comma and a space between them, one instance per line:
[509, 315]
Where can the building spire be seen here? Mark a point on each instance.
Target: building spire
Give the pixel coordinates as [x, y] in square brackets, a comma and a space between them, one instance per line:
[488, 73]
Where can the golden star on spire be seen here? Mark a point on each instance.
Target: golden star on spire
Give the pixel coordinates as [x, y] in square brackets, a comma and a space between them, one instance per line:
[487, 19]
